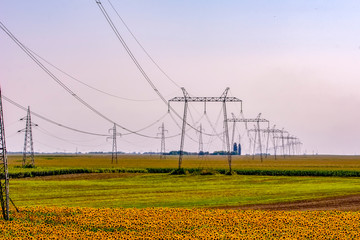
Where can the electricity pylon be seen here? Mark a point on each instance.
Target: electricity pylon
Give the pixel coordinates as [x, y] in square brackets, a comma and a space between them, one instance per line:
[162, 147]
[4, 176]
[186, 99]
[114, 152]
[256, 120]
[28, 154]
[291, 143]
[273, 131]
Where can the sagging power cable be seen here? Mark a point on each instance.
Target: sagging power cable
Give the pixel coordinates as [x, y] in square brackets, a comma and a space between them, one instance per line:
[88, 85]
[133, 58]
[141, 46]
[46, 70]
[127, 49]
[51, 121]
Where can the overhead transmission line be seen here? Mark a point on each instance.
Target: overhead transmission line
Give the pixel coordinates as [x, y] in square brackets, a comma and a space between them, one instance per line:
[46, 132]
[127, 49]
[8, 32]
[86, 84]
[51, 121]
[77, 130]
[141, 46]
[133, 58]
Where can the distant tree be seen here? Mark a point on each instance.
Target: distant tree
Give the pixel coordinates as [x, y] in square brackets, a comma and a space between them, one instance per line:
[235, 148]
[239, 149]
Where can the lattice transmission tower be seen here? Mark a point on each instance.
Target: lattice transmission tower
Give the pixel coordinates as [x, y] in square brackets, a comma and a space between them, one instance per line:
[28, 153]
[162, 147]
[4, 176]
[257, 139]
[270, 131]
[222, 99]
[114, 157]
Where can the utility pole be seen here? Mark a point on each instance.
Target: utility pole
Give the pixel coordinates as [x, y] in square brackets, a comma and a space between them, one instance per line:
[162, 147]
[4, 176]
[114, 152]
[28, 141]
[186, 99]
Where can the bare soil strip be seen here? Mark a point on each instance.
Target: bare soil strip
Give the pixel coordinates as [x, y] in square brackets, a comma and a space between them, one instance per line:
[341, 203]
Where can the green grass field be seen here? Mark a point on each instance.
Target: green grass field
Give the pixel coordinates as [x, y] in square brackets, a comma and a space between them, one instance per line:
[164, 190]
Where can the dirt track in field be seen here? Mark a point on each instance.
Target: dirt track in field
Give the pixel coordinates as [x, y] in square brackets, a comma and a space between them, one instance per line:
[342, 203]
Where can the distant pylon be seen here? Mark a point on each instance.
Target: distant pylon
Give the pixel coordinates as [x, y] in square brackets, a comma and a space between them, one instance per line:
[162, 147]
[28, 154]
[114, 152]
[4, 176]
[201, 144]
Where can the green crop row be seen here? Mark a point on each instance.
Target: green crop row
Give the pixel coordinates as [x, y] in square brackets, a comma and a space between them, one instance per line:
[64, 171]
[194, 171]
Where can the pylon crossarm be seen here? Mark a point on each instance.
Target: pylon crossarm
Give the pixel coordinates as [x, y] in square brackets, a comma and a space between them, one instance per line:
[205, 99]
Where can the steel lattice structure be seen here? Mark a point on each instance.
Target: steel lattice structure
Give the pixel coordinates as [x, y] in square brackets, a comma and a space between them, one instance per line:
[114, 157]
[291, 142]
[187, 98]
[274, 133]
[4, 176]
[28, 141]
[162, 146]
[256, 120]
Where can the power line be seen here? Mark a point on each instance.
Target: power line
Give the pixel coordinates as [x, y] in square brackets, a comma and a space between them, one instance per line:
[122, 41]
[51, 121]
[133, 58]
[44, 131]
[82, 131]
[7, 31]
[141, 46]
[88, 85]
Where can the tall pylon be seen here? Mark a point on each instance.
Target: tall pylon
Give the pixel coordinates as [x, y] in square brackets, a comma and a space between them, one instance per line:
[28, 153]
[186, 99]
[4, 176]
[114, 157]
[162, 147]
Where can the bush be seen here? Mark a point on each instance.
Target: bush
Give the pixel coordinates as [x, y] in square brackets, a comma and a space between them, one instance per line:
[179, 171]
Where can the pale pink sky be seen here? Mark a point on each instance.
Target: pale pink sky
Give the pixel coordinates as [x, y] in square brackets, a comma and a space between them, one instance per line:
[295, 62]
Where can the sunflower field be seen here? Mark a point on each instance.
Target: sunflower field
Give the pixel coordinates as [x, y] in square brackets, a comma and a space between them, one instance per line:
[177, 223]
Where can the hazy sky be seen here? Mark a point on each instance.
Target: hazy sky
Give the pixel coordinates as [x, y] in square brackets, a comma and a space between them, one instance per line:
[296, 62]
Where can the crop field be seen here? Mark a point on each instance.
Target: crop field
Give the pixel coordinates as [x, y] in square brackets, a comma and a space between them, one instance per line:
[178, 223]
[164, 190]
[136, 199]
[308, 162]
